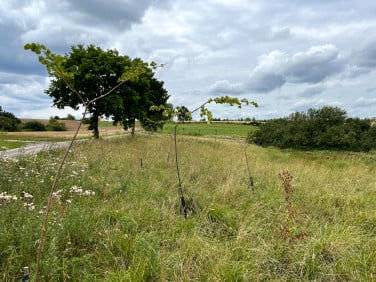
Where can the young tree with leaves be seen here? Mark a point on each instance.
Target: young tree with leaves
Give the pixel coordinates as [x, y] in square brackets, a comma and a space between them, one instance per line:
[56, 67]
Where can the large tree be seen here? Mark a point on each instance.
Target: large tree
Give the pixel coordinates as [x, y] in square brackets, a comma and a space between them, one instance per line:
[140, 96]
[89, 72]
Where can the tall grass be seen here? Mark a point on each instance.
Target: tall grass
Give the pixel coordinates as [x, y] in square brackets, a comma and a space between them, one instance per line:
[130, 228]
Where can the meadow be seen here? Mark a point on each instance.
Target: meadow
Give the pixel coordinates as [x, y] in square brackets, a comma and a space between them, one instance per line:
[115, 214]
[220, 129]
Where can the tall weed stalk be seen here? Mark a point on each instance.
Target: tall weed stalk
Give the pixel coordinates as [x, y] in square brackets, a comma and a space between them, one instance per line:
[291, 221]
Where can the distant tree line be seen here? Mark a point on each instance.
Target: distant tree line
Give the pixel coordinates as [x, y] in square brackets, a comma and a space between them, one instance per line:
[9, 123]
[327, 128]
[247, 120]
[53, 125]
[68, 117]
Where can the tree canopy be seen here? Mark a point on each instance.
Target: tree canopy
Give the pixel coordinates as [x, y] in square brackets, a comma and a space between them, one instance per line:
[87, 73]
[183, 114]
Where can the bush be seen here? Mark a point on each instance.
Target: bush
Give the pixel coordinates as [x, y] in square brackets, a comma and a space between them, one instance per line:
[55, 125]
[323, 129]
[34, 126]
[8, 122]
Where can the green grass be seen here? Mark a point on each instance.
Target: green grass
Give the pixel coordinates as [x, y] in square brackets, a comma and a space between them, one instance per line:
[104, 123]
[6, 145]
[212, 129]
[22, 138]
[130, 230]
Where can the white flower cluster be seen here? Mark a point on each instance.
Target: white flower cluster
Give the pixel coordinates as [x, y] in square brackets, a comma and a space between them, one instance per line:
[25, 197]
[5, 198]
[76, 190]
[57, 195]
[29, 206]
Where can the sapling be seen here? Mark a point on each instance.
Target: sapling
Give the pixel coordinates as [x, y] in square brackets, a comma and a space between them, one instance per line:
[54, 65]
[204, 112]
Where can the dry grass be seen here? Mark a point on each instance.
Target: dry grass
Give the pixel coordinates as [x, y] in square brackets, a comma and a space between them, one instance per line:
[71, 126]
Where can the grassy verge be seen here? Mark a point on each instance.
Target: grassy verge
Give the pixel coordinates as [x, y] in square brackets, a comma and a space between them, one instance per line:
[130, 228]
[6, 145]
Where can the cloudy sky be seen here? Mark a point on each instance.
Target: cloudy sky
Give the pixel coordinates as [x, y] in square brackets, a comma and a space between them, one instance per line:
[287, 55]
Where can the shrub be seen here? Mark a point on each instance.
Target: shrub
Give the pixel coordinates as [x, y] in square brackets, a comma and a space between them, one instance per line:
[34, 126]
[8, 122]
[55, 125]
[323, 129]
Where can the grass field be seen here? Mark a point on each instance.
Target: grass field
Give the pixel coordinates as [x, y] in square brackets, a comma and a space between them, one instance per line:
[11, 140]
[6, 144]
[130, 229]
[212, 129]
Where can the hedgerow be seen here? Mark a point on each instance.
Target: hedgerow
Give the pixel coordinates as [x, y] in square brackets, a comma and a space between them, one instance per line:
[327, 128]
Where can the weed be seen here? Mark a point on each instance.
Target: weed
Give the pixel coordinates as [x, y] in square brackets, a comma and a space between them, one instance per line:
[290, 224]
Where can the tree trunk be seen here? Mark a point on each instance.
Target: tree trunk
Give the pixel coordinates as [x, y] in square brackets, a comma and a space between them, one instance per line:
[133, 127]
[94, 125]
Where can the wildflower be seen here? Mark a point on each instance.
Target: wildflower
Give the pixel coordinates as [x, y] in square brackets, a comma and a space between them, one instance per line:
[76, 190]
[26, 196]
[88, 193]
[4, 197]
[29, 206]
[57, 195]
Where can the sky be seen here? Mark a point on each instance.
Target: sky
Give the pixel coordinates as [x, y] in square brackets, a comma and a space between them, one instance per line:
[287, 55]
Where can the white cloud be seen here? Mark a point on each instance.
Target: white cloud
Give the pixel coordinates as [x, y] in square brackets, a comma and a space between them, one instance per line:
[365, 102]
[225, 87]
[300, 50]
[311, 91]
[275, 69]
